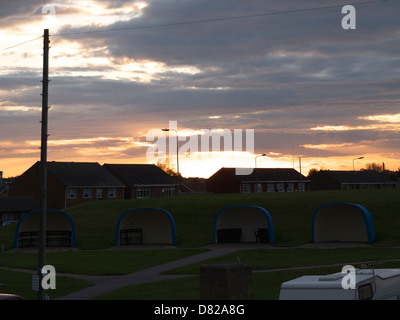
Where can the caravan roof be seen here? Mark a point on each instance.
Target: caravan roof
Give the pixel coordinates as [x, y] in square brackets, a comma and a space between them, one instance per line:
[369, 284]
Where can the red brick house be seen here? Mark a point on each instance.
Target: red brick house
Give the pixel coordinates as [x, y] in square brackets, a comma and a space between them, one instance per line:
[350, 180]
[69, 183]
[144, 180]
[260, 180]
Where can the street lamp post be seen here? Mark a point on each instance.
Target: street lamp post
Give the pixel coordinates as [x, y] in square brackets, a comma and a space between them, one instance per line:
[177, 154]
[255, 159]
[357, 159]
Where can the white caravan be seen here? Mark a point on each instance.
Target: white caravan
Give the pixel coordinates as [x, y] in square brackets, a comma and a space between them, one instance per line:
[375, 284]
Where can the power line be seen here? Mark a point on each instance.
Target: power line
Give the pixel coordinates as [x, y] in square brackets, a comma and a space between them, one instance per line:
[19, 44]
[219, 19]
[200, 21]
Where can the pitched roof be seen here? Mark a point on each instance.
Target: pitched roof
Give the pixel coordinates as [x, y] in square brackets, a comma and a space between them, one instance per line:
[83, 174]
[362, 176]
[18, 204]
[268, 174]
[141, 174]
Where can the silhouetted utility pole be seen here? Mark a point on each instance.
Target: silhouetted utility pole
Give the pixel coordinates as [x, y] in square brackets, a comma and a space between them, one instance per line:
[43, 163]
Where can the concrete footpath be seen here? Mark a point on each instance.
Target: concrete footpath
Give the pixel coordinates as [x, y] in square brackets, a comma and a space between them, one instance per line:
[103, 284]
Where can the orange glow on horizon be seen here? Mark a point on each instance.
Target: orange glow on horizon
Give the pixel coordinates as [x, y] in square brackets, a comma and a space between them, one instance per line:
[206, 164]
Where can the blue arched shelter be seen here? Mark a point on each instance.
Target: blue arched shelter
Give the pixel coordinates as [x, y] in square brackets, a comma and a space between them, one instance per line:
[342, 222]
[60, 230]
[243, 223]
[145, 226]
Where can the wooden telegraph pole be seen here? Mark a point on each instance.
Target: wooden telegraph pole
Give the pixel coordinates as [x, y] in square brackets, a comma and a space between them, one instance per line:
[43, 163]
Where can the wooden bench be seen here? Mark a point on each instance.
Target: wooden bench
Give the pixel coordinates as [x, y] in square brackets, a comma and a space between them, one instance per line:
[54, 238]
[130, 236]
[58, 238]
[28, 239]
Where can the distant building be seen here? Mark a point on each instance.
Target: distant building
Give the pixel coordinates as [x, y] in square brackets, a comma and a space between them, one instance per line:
[194, 185]
[11, 209]
[349, 180]
[3, 187]
[69, 183]
[260, 180]
[144, 180]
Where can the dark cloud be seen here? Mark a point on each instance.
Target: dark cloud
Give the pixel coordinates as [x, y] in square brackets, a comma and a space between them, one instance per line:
[14, 8]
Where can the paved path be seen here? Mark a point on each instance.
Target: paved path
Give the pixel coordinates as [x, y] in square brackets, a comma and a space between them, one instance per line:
[103, 284]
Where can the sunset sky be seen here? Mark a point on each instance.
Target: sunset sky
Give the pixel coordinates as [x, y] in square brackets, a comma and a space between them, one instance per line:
[122, 69]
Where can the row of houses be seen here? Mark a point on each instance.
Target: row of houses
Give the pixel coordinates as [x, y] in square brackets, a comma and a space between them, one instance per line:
[72, 183]
[226, 180]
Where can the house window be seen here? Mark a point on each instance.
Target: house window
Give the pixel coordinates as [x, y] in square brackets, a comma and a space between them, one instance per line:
[289, 187]
[112, 192]
[301, 186]
[280, 187]
[169, 191]
[259, 187]
[9, 218]
[99, 193]
[71, 193]
[87, 193]
[143, 192]
[246, 188]
[270, 187]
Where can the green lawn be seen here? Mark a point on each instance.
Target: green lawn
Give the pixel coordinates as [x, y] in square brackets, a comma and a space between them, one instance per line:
[265, 286]
[21, 283]
[97, 262]
[269, 259]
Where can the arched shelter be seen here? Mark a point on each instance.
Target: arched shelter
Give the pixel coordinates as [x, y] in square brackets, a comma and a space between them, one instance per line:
[145, 226]
[60, 230]
[243, 223]
[342, 222]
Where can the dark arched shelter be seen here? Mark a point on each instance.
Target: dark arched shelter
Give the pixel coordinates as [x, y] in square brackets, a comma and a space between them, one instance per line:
[145, 226]
[60, 230]
[342, 222]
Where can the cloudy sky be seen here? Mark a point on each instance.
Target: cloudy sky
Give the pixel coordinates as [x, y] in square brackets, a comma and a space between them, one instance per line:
[122, 70]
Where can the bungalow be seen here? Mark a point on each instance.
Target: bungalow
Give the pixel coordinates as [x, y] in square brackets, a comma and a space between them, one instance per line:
[69, 183]
[11, 209]
[144, 180]
[349, 180]
[260, 180]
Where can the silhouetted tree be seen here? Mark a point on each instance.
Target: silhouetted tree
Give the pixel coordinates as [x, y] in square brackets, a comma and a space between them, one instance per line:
[374, 166]
[167, 167]
[312, 172]
[395, 175]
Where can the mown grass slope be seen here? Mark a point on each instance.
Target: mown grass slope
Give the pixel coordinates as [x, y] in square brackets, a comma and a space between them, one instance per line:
[194, 215]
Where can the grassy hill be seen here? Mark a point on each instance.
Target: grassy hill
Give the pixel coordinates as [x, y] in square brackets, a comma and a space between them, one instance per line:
[194, 215]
